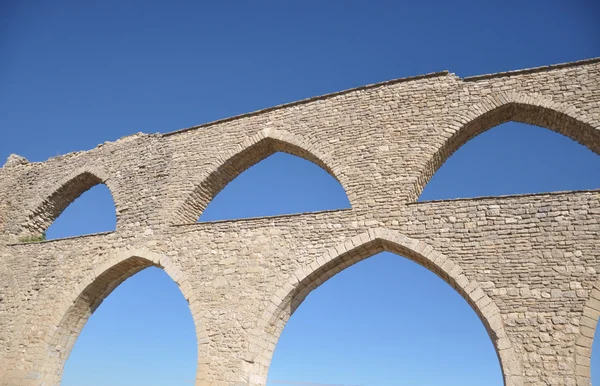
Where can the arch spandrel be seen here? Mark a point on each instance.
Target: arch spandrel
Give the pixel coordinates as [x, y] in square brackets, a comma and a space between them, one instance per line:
[362, 246]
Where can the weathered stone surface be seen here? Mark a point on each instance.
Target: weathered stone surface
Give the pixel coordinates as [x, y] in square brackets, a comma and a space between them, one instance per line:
[15, 159]
[527, 264]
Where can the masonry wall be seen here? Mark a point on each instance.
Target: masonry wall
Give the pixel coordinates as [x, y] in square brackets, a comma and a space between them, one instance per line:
[526, 264]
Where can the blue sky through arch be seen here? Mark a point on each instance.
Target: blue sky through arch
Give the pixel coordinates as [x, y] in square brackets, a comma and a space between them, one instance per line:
[396, 322]
[142, 334]
[515, 158]
[92, 212]
[279, 184]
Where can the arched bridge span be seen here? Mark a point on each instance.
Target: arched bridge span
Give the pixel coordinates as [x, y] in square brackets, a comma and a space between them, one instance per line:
[527, 264]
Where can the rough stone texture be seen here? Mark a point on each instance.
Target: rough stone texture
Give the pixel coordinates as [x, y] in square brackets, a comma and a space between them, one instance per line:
[528, 264]
[15, 159]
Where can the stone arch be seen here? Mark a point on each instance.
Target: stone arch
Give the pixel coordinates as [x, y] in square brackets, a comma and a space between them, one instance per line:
[587, 329]
[500, 108]
[71, 314]
[61, 195]
[253, 150]
[306, 279]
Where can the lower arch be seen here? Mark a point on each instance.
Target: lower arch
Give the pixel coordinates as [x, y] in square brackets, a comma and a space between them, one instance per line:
[50, 355]
[306, 279]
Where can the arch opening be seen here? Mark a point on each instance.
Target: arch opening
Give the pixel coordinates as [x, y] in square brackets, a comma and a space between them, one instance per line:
[92, 212]
[359, 248]
[255, 150]
[53, 353]
[279, 184]
[385, 321]
[519, 117]
[84, 200]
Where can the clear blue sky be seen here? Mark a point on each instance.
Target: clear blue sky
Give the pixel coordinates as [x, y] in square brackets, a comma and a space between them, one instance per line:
[75, 74]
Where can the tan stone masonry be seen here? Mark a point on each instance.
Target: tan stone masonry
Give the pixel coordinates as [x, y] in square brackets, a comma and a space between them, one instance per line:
[527, 264]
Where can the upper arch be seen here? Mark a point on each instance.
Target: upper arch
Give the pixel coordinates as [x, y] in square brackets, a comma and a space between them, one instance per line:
[253, 150]
[53, 202]
[306, 279]
[503, 107]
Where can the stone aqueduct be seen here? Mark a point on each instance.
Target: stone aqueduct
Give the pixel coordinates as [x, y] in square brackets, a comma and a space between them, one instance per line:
[528, 264]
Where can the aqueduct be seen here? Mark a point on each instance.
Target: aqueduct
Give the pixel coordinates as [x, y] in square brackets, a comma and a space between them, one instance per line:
[527, 264]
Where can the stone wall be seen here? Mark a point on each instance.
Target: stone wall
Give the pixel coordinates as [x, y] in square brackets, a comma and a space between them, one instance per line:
[527, 264]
